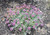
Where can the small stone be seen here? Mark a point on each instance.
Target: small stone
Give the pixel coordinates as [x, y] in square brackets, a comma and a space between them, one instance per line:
[38, 28]
[5, 15]
[43, 31]
[48, 25]
[11, 34]
[2, 19]
[48, 31]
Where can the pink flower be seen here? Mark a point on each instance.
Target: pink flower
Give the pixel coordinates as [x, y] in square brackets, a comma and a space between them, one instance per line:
[13, 23]
[18, 12]
[6, 19]
[18, 22]
[26, 13]
[35, 8]
[24, 10]
[38, 17]
[40, 12]
[14, 20]
[24, 28]
[25, 17]
[9, 13]
[7, 22]
[33, 27]
[36, 12]
[17, 7]
[20, 7]
[32, 15]
[27, 7]
[29, 18]
[13, 13]
[30, 12]
[21, 24]
[9, 25]
[17, 19]
[35, 20]
[24, 5]
[11, 29]
[27, 21]
[36, 24]
[38, 9]
[41, 21]
[22, 13]
[20, 29]
[42, 25]
[29, 28]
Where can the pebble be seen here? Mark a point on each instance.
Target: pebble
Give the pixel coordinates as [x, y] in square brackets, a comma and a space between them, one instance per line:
[11, 34]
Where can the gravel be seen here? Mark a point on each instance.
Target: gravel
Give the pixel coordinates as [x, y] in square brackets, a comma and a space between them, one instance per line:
[41, 5]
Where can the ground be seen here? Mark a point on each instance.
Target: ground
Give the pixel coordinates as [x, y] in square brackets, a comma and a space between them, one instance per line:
[44, 31]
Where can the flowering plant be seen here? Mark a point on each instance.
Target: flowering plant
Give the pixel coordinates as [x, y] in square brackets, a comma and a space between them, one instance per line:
[23, 18]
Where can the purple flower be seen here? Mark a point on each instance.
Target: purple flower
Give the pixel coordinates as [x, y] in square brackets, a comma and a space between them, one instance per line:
[26, 13]
[32, 15]
[17, 19]
[9, 25]
[41, 21]
[38, 17]
[35, 20]
[24, 10]
[13, 23]
[25, 17]
[20, 29]
[17, 7]
[22, 13]
[13, 13]
[27, 21]
[24, 28]
[38, 9]
[11, 29]
[29, 18]
[18, 12]
[9, 13]
[36, 24]
[33, 27]
[18, 22]
[21, 24]
[7, 22]
[30, 12]
[24, 4]
[35, 8]
[6, 19]
[27, 7]
[36, 12]
[14, 20]
[42, 25]
[29, 28]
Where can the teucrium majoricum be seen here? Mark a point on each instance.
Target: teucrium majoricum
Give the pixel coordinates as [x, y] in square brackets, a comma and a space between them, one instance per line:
[23, 18]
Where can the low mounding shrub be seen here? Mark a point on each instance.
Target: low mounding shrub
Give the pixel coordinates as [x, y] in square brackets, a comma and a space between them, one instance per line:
[23, 18]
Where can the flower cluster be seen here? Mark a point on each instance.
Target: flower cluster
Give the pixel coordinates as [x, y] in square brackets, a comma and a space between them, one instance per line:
[23, 18]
